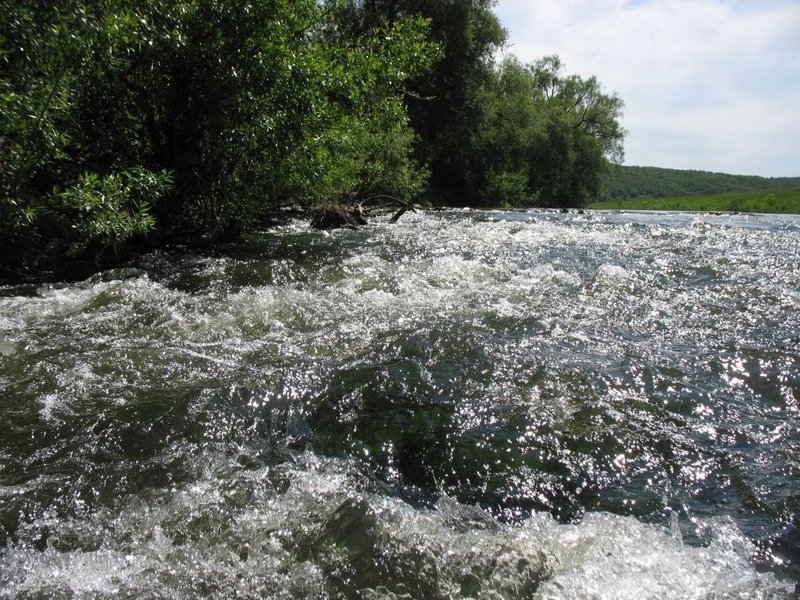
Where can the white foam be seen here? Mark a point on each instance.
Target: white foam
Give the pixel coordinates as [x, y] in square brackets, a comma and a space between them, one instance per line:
[117, 340]
[234, 534]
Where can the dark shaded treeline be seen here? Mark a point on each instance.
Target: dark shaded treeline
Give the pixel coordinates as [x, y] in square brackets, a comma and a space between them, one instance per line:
[125, 123]
[624, 183]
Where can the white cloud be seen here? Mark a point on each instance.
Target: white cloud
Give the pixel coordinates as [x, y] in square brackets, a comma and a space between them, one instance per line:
[708, 84]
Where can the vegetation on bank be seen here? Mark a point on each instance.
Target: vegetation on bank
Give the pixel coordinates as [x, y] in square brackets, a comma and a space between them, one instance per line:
[125, 123]
[623, 183]
[780, 201]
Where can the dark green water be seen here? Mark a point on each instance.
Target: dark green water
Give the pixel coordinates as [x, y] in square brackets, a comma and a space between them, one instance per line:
[462, 405]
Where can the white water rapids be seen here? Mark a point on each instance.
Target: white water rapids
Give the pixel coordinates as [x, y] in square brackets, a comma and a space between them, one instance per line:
[465, 404]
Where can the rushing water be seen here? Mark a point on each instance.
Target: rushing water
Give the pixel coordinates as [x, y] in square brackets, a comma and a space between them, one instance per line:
[464, 404]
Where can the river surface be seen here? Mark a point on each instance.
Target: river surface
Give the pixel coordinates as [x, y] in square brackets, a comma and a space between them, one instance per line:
[465, 404]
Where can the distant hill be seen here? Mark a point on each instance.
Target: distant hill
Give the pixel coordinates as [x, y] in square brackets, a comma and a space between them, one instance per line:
[652, 182]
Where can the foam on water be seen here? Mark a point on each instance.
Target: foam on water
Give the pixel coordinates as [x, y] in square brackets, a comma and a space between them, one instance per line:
[467, 404]
[317, 528]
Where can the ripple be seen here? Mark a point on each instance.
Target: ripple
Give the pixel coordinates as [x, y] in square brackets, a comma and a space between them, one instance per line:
[509, 403]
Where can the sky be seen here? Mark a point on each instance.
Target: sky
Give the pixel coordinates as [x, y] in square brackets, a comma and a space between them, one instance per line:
[712, 85]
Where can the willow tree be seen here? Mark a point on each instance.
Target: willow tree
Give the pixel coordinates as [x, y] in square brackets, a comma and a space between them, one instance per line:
[548, 136]
[582, 135]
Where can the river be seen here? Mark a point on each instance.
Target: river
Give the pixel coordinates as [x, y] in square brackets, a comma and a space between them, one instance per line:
[465, 404]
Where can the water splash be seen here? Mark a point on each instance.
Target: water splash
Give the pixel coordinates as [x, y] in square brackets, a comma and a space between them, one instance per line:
[463, 405]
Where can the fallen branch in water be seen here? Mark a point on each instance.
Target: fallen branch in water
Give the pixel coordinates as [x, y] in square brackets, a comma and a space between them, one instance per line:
[392, 201]
[336, 215]
[389, 201]
[398, 214]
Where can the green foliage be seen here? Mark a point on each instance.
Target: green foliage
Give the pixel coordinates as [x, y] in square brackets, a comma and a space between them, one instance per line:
[561, 131]
[112, 209]
[244, 105]
[358, 140]
[444, 104]
[776, 201]
[191, 119]
[446, 109]
[508, 189]
[651, 182]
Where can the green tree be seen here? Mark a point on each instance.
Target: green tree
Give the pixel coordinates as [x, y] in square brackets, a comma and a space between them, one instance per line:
[358, 141]
[211, 110]
[511, 127]
[561, 131]
[583, 135]
[444, 105]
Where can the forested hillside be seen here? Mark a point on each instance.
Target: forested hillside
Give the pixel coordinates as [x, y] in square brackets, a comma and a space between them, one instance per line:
[126, 122]
[623, 183]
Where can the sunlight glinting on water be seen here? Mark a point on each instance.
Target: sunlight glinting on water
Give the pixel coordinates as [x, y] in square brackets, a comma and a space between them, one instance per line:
[466, 404]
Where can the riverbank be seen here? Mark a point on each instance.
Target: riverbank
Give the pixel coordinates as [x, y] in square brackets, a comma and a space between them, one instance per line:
[777, 202]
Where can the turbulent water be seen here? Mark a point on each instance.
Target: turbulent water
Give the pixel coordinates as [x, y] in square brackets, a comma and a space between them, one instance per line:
[462, 405]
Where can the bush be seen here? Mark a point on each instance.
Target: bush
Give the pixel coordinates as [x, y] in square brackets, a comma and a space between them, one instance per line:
[109, 210]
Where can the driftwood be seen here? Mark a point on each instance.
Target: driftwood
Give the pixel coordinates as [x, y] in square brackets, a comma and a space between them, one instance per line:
[392, 201]
[336, 216]
[397, 215]
[353, 214]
